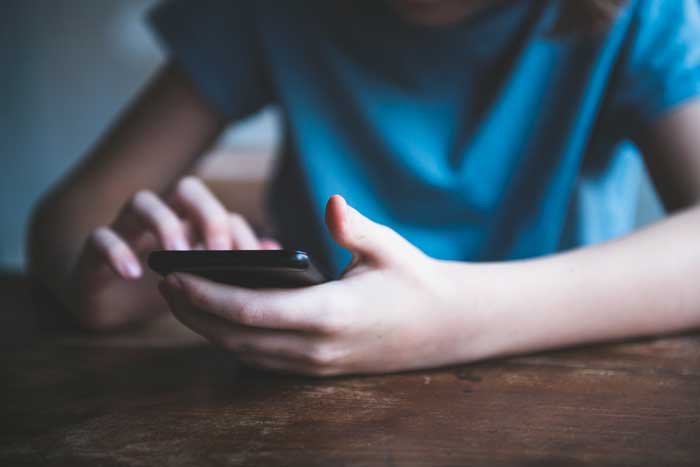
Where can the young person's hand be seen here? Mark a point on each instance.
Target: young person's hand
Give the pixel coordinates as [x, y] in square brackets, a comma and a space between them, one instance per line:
[112, 258]
[387, 312]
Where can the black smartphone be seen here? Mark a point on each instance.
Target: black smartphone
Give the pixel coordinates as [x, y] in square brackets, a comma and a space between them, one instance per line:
[245, 268]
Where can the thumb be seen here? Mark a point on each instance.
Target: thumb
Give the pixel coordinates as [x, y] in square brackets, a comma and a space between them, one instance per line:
[365, 239]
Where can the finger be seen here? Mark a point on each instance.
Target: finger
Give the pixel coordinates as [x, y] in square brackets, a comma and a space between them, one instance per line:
[311, 309]
[207, 212]
[281, 365]
[270, 244]
[242, 235]
[288, 344]
[116, 252]
[364, 238]
[159, 218]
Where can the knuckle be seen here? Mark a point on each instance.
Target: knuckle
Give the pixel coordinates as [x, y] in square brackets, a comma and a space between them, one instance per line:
[197, 296]
[246, 314]
[334, 323]
[334, 320]
[322, 356]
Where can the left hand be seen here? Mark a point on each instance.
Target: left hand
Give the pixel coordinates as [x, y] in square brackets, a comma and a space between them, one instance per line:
[387, 312]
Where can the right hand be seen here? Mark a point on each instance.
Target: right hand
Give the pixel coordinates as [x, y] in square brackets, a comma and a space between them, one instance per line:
[109, 286]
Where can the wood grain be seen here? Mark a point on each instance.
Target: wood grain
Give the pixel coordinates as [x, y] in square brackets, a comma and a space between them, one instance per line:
[159, 396]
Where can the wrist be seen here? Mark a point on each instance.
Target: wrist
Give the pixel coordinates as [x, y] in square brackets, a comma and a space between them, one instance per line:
[462, 292]
[485, 303]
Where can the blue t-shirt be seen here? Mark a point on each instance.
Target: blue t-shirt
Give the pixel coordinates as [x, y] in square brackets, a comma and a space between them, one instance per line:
[485, 140]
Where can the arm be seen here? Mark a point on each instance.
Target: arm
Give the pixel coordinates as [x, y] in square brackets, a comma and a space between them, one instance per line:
[396, 309]
[155, 141]
[152, 143]
[645, 283]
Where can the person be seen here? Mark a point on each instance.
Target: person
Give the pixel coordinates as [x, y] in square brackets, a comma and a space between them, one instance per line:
[476, 161]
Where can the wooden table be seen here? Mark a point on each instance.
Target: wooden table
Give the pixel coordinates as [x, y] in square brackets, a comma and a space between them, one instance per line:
[159, 396]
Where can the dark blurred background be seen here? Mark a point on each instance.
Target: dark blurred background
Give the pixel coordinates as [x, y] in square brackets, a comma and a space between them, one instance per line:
[68, 67]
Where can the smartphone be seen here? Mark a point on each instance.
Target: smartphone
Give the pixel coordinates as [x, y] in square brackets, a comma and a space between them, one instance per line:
[254, 269]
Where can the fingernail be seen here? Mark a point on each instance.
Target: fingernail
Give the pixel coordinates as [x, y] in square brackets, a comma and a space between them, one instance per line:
[132, 269]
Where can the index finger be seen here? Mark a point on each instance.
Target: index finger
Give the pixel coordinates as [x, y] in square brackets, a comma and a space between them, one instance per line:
[311, 309]
[210, 216]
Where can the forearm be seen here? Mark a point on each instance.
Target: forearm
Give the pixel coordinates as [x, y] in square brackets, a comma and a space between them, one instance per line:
[643, 284]
[154, 141]
[157, 139]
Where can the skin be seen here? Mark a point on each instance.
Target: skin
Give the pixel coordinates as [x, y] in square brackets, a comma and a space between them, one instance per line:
[90, 254]
[394, 308]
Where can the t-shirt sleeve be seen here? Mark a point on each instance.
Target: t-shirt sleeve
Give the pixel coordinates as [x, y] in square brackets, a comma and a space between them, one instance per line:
[660, 68]
[216, 44]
